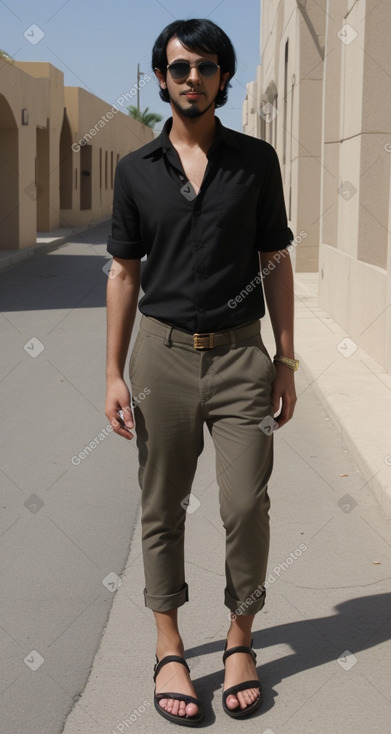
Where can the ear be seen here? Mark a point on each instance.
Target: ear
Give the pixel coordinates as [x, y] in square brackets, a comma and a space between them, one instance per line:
[161, 78]
[224, 80]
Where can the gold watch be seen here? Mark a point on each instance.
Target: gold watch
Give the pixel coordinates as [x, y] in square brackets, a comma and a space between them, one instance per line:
[293, 364]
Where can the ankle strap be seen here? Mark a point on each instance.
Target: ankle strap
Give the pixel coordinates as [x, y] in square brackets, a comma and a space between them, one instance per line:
[239, 648]
[168, 659]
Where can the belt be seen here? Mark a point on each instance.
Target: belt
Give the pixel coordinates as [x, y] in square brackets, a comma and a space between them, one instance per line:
[200, 341]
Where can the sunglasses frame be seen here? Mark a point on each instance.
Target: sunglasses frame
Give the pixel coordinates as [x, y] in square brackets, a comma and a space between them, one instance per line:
[196, 65]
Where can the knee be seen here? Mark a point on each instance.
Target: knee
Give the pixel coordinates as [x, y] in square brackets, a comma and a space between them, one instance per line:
[243, 508]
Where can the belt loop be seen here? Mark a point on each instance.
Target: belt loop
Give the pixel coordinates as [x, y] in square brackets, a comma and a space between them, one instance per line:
[232, 336]
[167, 337]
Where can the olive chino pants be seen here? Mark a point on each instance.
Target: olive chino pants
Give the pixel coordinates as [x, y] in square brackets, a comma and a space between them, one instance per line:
[228, 388]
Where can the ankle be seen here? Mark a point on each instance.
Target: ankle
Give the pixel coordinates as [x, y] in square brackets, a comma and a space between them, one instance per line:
[173, 646]
[238, 637]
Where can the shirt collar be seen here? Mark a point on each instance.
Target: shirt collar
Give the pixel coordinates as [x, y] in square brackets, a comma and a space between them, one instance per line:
[163, 142]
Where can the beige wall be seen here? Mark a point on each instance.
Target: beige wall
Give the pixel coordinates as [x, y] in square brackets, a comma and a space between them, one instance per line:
[48, 178]
[354, 257]
[331, 127]
[283, 106]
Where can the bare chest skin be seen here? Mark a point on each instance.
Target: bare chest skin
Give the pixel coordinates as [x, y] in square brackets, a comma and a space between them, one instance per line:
[194, 165]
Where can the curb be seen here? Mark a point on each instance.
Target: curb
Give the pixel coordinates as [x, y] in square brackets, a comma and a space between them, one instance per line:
[13, 258]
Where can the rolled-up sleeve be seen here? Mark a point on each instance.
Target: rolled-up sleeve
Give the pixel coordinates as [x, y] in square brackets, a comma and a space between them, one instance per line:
[124, 240]
[273, 232]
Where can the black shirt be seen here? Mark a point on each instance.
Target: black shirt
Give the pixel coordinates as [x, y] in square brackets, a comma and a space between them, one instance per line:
[202, 271]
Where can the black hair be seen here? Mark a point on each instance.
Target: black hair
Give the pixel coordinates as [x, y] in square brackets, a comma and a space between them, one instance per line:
[197, 34]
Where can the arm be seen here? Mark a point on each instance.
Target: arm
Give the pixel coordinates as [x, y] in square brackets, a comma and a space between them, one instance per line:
[278, 287]
[122, 297]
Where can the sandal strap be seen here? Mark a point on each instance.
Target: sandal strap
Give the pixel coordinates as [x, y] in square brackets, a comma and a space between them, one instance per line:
[168, 659]
[241, 687]
[179, 697]
[240, 648]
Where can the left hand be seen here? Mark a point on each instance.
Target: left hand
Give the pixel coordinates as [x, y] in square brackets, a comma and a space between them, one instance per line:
[283, 387]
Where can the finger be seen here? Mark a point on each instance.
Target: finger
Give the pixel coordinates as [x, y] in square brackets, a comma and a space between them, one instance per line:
[119, 428]
[128, 416]
[286, 413]
[276, 400]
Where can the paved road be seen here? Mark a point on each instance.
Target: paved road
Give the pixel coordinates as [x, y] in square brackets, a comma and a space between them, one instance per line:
[323, 636]
[67, 515]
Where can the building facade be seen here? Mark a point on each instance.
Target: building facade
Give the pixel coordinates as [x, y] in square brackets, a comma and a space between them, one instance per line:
[322, 98]
[59, 147]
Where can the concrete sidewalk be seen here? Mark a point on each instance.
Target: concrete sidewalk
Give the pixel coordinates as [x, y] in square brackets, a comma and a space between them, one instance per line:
[45, 243]
[323, 637]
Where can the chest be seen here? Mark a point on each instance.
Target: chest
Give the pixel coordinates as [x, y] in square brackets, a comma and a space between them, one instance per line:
[194, 166]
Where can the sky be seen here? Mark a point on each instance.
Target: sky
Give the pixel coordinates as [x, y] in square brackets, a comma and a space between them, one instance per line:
[97, 44]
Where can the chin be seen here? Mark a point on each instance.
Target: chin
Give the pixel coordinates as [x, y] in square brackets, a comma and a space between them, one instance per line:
[191, 112]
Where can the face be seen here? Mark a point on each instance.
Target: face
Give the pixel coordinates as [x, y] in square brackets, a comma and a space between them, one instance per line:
[195, 94]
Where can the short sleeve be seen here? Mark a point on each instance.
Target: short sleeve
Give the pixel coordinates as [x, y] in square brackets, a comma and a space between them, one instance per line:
[273, 232]
[124, 240]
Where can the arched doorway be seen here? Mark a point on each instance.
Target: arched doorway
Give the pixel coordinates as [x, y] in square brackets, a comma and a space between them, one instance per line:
[9, 178]
[66, 164]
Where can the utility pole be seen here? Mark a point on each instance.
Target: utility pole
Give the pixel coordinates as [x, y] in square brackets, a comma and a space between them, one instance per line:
[139, 73]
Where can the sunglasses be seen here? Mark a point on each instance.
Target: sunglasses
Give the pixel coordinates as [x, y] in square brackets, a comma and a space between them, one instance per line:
[181, 69]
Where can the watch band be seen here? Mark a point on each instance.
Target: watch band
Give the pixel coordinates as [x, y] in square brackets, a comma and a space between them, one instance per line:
[293, 364]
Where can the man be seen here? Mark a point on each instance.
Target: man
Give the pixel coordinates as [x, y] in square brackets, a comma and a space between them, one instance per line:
[205, 204]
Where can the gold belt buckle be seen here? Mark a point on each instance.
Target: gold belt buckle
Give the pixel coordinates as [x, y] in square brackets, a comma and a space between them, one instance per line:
[203, 341]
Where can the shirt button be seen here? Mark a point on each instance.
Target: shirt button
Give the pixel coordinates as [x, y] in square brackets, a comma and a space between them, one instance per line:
[196, 212]
[200, 308]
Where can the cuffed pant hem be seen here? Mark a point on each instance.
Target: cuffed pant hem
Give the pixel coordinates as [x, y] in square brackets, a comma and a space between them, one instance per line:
[165, 603]
[251, 605]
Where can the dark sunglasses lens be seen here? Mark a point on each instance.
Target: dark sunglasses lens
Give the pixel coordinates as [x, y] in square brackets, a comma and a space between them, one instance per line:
[207, 68]
[179, 70]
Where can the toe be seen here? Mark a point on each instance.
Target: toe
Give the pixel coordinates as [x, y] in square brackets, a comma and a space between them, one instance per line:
[247, 697]
[191, 709]
[232, 702]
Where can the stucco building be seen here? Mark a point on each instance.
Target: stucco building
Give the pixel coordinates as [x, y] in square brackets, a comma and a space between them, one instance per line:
[322, 98]
[59, 147]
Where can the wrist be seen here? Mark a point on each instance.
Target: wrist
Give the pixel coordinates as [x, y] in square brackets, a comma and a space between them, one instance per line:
[287, 362]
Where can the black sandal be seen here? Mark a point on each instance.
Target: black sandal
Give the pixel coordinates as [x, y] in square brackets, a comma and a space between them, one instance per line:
[175, 718]
[240, 713]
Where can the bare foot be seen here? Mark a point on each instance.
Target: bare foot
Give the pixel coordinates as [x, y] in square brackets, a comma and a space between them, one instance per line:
[240, 667]
[174, 677]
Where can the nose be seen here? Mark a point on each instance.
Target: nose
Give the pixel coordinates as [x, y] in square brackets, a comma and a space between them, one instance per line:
[194, 75]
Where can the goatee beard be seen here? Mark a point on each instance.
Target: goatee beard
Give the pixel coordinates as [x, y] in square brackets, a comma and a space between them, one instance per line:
[191, 112]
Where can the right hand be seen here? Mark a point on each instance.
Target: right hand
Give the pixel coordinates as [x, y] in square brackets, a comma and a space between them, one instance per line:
[118, 398]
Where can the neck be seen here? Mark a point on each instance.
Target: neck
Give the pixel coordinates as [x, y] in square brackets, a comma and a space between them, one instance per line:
[198, 132]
